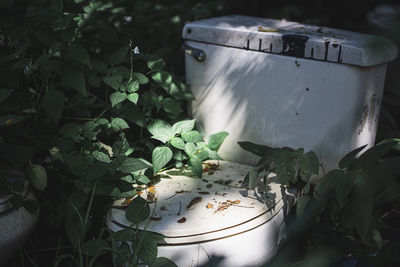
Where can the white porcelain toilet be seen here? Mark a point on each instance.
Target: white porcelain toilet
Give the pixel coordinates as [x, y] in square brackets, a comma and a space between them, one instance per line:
[270, 82]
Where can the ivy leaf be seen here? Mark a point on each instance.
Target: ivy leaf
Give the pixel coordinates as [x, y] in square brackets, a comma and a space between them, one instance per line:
[101, 156]
[141, 78]
[117, 97]
[346, 161]
[183, 126]
[5, 93]
[8, 120]
[74, 79]
[192, 137]
[133, 98]
[216, 140]
[131, 165]
[138, 210]
[78, 53]
[37, 176]
[156, 64]
[161, 156]
[178, 143]
[53, 104]
[118, 56]
[119, 124]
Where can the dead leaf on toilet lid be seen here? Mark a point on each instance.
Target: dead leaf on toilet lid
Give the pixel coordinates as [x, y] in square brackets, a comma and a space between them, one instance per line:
[194, 201]
[182, 220]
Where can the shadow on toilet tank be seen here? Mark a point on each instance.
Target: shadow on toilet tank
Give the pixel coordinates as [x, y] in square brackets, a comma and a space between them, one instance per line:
[282, 83]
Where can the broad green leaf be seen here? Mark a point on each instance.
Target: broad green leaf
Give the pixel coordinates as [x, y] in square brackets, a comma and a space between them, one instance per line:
[101, 156]
[148, 248]
[117, 97]
[143, 179]
[131, 165]
[113, 81]
[374, 153]
[53, 104]
[364, 191]
[78, 53]
[259, 150]
[190, 148]
[121, 71]
[133, 86]
[178, 143]
[216, 140]
[161, 156]
[118, 56]
[74, 79]
[96, 170]
[171, 106]
[5, 93]
[133, 98]
[37, 176]
[162, 262]
[183, 126]
[252, 178]
[196, 167]
[102, 121]
[328, 182]
[90, 130]
[344, 185]
[161, 130]
[192, 137]
[8, 120]
[163, 78]
[138, 210]
[302, 204]
[140, 77]
[346, 161]
[156, 64]
[119, 124]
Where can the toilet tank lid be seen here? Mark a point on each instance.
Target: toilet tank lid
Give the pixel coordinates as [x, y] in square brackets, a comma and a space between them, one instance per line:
[185, 208]
[292, 39]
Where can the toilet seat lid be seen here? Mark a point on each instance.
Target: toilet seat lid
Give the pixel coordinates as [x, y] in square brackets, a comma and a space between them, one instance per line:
[188, 209]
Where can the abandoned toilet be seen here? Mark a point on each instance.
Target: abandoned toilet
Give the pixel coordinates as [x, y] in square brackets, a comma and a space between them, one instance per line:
[271, 82]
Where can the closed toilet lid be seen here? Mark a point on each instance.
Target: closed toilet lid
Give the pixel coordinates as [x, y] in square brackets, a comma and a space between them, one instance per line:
[187, 209]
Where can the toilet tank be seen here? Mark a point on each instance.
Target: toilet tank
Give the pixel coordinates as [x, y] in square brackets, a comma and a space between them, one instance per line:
[282, 83]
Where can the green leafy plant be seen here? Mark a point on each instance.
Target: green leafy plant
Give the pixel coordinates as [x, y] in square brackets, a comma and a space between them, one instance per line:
[348, 201]
[87, 114]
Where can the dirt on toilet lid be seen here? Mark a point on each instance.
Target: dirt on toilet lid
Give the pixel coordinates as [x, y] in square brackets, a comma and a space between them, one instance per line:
[214, 206]
[294, 39]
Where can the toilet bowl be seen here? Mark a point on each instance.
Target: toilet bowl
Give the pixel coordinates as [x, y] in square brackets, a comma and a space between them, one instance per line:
[214, 220]
[271, 82]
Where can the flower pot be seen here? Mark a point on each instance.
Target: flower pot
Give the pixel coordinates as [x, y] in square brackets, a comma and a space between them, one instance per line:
[15, 225]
